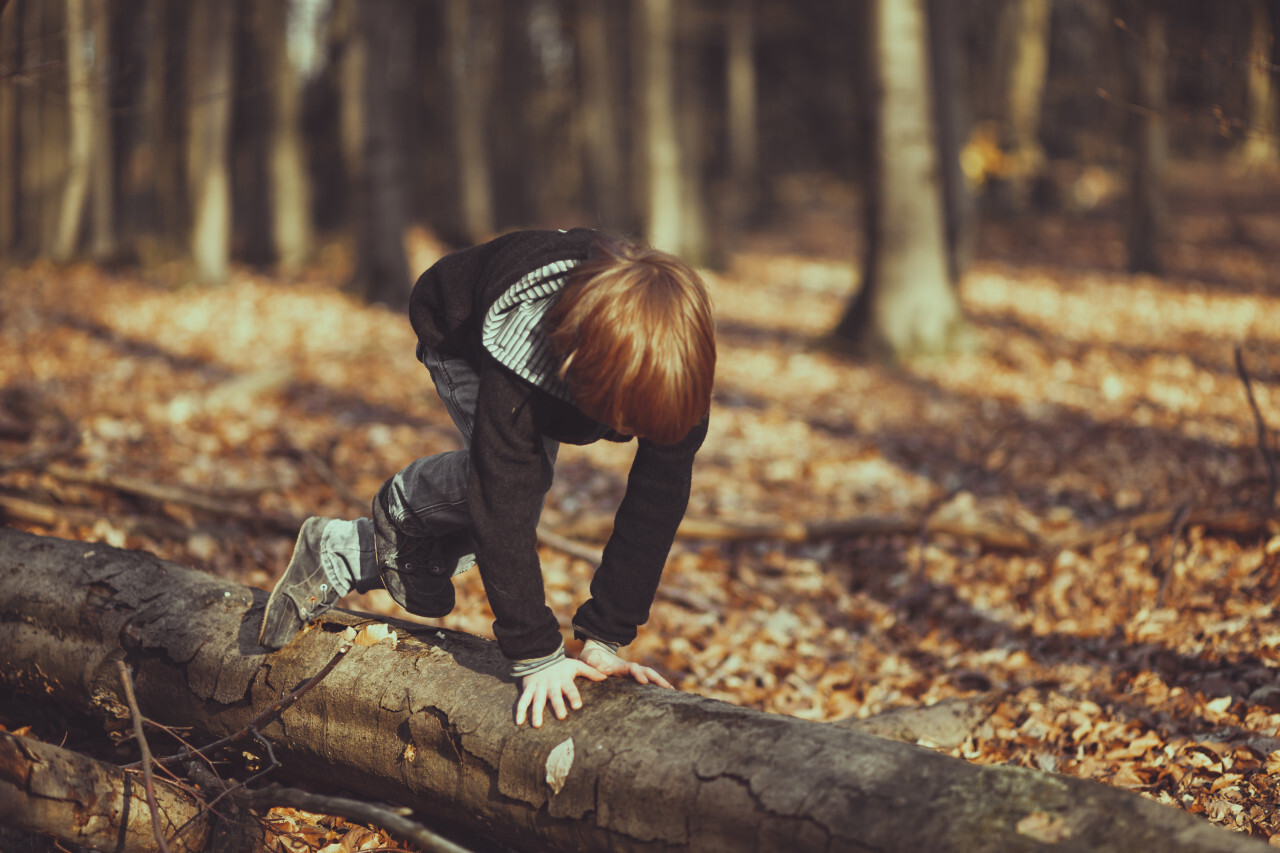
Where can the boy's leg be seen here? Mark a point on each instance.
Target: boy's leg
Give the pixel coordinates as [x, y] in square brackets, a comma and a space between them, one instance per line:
[325, 563]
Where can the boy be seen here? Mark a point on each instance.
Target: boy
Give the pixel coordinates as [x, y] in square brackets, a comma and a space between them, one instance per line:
[532, 339]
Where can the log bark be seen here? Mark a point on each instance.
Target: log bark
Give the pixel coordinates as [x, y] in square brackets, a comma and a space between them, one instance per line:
[90, 803]
[427, 722]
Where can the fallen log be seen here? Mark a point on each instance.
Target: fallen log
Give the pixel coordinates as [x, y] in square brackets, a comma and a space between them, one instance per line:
[424, 719]
[89, 803]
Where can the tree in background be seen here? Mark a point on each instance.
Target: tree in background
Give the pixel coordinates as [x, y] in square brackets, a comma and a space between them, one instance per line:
[382, 271]
[1261, 146]
[655, 35]
[290, 190]
[1025, 34]
[468, 25]
[907, 304]
[75, 189]
[1149, 64]
[600, 112]
[209, 78]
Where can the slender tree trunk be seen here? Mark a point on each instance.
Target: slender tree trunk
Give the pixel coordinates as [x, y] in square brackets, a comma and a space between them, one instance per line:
[382, 270]
[470, 76]
[655, 35]
[1150, 64]
[10, 29]
[743, 120]
[350, 82]
[43, 122]
[150, 185]
[907, 303]
[1028, 34]
[75, 189]
[1261, 146]
[102, 189]
[952, 108]
[696, 245]
[599, 110]
[291, 232]
[209, 76]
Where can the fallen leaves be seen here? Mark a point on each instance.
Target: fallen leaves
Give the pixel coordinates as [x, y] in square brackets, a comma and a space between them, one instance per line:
[1120, 646]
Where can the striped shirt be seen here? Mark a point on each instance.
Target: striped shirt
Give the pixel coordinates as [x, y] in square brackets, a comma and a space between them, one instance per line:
[513, 332]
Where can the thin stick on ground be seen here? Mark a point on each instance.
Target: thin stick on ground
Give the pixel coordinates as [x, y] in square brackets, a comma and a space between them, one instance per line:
[393, 820]
[1264, 433]
[148, 779]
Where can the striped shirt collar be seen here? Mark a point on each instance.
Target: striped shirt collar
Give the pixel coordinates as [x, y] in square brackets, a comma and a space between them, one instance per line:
[513, 332]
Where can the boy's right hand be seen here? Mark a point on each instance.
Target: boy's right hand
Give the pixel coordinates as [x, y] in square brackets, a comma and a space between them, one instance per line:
[553, 685]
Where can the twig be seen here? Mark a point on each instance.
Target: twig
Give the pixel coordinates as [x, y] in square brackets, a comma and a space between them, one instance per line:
[1164, 568]
[1264, 444]
[572, 547]
[390, 818]
[278, 707]
[173, 494]
[37, 458]
[148, 779]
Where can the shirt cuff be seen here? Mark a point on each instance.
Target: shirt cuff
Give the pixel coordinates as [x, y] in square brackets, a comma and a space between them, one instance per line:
[528, 666]
[580, 634]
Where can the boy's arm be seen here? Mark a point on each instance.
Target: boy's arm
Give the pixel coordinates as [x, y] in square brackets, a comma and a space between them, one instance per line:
[508, 479]
[644, 528]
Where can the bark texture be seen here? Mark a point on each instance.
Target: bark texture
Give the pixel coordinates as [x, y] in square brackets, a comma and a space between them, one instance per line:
[89, 803]
[428, 723]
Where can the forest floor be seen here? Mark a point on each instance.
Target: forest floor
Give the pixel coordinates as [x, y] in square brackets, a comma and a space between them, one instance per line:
[1083, 535]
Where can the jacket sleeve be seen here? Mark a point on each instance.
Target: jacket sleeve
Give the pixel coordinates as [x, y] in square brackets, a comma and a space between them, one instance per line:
[509, 478]
[644, 527]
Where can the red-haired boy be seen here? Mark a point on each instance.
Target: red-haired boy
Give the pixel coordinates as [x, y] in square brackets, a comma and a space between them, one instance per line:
[533, 339]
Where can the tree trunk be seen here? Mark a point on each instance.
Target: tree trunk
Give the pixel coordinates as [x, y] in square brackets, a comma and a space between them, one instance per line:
[953, 110]
[90, 803]
[602, 136]
[382, 270]
[696, 245]
[655, 38]
[907, 303]
[209, 76]
[290, 186]
[428, 723]
[10, 60]
[1260, 147]
[102, 229]
[75, 189]
[1149, 63]
[470, 77]
[743, 114]
[43, 126]
[1028, 36]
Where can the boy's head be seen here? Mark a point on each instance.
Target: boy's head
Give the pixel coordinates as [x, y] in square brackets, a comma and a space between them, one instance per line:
[634, 329]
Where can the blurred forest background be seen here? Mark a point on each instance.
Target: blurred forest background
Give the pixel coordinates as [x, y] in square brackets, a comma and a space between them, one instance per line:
[259, 132]
[212, 211]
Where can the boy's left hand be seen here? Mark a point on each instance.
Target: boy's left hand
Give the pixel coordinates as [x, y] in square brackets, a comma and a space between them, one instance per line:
[601, 659]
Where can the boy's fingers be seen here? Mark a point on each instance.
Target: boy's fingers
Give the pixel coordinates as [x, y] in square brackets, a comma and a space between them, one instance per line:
[522, 708]
[557, 703]
[657, 678]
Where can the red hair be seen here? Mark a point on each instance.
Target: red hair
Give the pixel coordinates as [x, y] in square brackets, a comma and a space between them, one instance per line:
[635, 332]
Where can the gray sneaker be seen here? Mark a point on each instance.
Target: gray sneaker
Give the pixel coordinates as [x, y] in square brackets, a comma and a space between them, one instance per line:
[303, 591]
